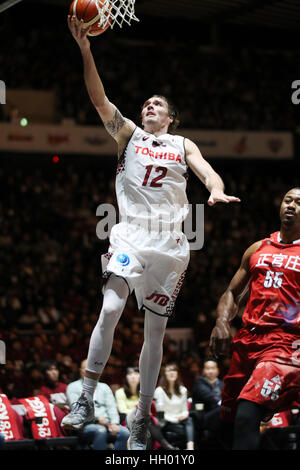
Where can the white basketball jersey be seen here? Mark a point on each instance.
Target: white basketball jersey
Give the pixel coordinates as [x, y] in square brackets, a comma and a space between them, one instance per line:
[151, 181]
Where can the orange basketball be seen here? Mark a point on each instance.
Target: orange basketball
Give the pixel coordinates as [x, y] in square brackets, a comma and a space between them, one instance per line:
[87, 11]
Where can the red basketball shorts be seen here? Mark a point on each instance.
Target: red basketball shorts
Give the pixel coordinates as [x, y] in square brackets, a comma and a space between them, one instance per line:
[265, 369]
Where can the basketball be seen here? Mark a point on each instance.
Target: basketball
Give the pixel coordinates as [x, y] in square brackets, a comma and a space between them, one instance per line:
[87, 11]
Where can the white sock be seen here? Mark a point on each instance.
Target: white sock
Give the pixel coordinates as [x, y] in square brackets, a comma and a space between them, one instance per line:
[88, 388]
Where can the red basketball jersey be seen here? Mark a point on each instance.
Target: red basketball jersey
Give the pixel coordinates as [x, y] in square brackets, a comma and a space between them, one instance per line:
[274, 297]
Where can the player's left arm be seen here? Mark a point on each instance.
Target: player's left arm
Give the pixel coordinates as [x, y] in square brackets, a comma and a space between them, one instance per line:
[206, 174]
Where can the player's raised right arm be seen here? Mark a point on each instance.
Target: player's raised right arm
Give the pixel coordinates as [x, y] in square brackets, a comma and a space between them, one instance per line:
[228, 304]
[118, 127]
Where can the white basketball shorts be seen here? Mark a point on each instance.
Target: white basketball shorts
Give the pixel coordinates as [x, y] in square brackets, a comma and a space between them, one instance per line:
[153, 266]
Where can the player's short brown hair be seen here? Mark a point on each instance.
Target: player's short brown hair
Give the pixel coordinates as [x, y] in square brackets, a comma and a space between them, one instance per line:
[172, 111]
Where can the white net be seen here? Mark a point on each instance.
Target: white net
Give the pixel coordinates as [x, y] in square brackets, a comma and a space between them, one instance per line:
[115, 11]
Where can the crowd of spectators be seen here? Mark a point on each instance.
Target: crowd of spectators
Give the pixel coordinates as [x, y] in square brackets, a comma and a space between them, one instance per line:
[50, 289]
[214, 88]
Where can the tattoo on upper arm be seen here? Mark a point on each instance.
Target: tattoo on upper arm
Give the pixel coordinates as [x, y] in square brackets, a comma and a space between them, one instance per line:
[114, 126]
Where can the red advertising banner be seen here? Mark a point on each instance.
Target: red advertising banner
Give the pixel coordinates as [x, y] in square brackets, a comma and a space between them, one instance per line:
[8, 423]
[39, 407]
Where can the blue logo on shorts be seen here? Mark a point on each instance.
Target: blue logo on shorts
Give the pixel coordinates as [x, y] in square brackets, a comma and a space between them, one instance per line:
[123, 259]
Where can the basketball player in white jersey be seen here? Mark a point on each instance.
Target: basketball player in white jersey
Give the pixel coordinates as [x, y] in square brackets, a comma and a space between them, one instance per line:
[151, 191]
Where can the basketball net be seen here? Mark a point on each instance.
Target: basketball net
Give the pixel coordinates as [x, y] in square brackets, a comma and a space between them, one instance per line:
[115, 11]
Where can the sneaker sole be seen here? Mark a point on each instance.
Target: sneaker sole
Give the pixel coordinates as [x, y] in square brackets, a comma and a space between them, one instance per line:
[74, 427]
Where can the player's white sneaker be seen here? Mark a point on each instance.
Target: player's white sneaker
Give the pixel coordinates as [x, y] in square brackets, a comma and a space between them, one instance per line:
[82, 412]
[139, 433]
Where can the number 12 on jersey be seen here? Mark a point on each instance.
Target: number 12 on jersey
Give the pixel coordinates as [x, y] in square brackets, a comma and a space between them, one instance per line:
[154, 182]
[273, 279]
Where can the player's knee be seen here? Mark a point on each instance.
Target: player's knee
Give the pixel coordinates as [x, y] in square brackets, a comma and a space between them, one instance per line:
[158, 330]
[108, 316]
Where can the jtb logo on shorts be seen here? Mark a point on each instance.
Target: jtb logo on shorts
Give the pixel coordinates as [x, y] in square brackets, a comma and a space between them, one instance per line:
[159, 299]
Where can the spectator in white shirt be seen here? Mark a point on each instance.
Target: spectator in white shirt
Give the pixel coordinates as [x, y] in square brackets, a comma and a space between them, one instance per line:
[171, 399]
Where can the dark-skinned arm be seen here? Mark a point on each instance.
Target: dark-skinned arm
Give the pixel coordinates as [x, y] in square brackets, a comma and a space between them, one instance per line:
[228, 305]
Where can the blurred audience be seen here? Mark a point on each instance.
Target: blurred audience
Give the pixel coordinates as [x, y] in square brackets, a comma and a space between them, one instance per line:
[234, 88]
[41, 211]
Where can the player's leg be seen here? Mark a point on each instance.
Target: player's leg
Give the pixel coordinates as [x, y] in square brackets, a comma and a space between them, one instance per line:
[273, 386]
[165, 263]
[241, 367]
[247, 425]
[114, 301]
[150, 360]
[149, 365]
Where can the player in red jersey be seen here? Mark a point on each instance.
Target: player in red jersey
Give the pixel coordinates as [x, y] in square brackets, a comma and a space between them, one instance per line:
[264, 374]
